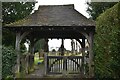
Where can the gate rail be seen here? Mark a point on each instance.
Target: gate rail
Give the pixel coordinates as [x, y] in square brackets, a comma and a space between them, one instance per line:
[63, 65]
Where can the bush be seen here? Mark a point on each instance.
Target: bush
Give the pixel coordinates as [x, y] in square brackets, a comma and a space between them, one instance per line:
[8, 61]
[107, 44]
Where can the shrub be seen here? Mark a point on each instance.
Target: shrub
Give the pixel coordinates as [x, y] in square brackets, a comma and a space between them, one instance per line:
[8, 61]
[107, 44]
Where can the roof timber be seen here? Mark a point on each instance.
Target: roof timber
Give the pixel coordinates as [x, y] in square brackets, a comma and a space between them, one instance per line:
[57, 34]
[54, 28]
[68, 32]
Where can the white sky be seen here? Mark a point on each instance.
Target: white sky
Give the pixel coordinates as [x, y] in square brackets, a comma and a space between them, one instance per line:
[80, 6]
[55, 44]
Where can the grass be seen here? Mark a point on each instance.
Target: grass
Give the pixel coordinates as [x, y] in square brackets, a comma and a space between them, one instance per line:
[37, 60]
[65, 54]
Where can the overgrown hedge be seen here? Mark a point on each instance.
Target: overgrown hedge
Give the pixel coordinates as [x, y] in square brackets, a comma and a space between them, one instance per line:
[107, 44]
[8, 61]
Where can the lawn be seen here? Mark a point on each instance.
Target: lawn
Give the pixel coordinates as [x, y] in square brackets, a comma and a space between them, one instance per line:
[37, 60]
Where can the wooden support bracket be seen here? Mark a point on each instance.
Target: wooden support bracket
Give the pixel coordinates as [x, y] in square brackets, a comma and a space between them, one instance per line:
[19, 38]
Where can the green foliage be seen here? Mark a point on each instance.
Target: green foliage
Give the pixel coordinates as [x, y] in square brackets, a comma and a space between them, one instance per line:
[107, 44]
[8, 61]
[96, 8]
[23, 49]
[13, 11]
[8, 38]
[39, 45]
[38, 60]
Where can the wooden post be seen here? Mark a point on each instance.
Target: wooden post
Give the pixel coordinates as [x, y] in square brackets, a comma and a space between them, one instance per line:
[0, 40]
[72, 45]
[30, 61]
[83, 55]
[64, 58]
[17, 50]
[46, 47]
[91, 62]
[31, 47]
[19, 38]
[64, 66]
[62, 47]
[76, 47]
[46, 65]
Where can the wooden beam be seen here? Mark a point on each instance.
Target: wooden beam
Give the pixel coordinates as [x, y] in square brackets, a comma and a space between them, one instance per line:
[89, 37]
[72, 45]
[46, 47]
[17, 50]
[62, 47]
[0, 40]
[23, 35]
[83, 55]
[86, 36]
[91, 62]
[31, 47]
[33, 40]
[80, 43]
[76, 47]
[45, 62]
[19, 37]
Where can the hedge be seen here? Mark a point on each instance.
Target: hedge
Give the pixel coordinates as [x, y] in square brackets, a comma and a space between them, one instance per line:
[8, 61]
[107, 44]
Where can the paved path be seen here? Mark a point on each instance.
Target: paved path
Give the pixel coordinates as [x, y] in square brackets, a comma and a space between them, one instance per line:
[39, 70]
[38, 73]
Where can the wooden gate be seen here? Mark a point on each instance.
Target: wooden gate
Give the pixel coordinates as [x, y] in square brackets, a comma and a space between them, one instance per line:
[64, 64]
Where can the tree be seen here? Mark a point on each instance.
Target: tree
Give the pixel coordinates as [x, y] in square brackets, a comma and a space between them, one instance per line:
[96, 8]
[8, 38]
[13, 11]
[39, 45]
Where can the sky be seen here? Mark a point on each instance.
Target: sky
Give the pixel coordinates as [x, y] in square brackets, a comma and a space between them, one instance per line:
[80, 6]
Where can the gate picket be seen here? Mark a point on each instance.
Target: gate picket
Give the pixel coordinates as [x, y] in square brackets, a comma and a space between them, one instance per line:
[58, 64]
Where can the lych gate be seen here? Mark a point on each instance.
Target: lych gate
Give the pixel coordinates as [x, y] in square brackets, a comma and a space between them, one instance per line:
[62, 22]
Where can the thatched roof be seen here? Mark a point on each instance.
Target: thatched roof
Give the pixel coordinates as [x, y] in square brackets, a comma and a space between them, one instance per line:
[54, 15]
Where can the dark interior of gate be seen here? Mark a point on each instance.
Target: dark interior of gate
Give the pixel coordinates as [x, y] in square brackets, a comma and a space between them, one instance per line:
[60, 22]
